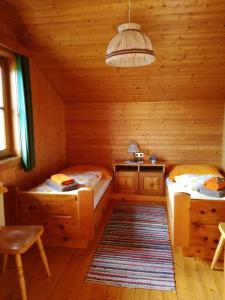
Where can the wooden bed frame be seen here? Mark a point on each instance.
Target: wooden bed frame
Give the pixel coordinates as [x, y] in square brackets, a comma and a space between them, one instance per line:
[69, 220]
[194, 223]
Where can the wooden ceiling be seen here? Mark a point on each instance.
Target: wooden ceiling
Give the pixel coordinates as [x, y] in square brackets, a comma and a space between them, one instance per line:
[68, 39]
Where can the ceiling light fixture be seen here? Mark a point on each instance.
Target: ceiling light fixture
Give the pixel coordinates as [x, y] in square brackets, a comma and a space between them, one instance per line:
[130, 47]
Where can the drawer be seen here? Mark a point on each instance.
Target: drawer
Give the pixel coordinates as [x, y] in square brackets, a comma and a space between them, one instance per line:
[63, 226]
[209, 212]
[151, 183]
[42, 204]
[126, 182]
[207, 236]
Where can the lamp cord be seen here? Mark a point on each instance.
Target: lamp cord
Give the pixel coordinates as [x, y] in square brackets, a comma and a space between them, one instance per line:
[129, 11]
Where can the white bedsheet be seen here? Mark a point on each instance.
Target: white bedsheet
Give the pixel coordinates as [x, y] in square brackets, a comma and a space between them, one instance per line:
[99, 190]
[173, 187]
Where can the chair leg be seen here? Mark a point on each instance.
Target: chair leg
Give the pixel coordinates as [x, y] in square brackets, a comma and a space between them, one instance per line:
[224, 275]
[43, 255]
[19, 266]
[4, 262]
[218, 251]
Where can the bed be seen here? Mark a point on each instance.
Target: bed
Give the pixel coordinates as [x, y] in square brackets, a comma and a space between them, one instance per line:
[70, 218]
[193, 219]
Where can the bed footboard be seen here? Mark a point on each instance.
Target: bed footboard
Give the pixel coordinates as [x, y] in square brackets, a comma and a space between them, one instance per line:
[179, 218]
[194, 223]
[68, 219]
[205, 216]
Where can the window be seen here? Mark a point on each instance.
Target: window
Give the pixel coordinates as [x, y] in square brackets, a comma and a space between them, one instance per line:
[8, 111]
[5, 141]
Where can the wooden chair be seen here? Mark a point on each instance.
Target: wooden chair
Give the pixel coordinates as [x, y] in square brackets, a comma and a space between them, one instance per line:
[220, 246]
[16, 240]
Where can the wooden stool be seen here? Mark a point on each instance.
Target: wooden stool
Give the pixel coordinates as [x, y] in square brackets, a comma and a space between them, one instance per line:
[220, 246]
[16, 240]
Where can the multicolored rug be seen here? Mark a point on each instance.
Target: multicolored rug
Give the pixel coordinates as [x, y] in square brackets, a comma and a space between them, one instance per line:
[135, 250]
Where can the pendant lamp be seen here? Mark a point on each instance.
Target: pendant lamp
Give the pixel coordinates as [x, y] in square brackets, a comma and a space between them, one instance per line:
[130, 47]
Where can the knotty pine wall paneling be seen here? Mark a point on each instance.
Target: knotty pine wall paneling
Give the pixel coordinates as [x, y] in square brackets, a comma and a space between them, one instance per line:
[49, 126]
[178, 132]
[223, 154]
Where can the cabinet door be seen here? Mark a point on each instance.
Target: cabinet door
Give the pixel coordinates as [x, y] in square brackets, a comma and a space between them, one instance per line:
[126, 182]
[151, 183]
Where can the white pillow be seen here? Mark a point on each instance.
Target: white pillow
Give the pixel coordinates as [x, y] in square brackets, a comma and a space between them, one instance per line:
[191, 182]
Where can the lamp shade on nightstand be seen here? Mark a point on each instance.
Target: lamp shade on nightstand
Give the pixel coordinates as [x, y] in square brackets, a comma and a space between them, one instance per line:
[133, 148]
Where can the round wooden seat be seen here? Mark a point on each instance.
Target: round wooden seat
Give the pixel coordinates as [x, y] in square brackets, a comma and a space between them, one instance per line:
[17, 239]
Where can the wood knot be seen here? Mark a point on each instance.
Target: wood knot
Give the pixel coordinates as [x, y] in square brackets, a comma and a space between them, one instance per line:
[213, 210]
[205, 238]
[196, 225]
[202, 212]
[216, 241]
[61, 226]
[66, 239]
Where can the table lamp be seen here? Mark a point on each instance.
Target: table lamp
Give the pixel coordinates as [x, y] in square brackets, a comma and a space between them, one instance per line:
[133, 148]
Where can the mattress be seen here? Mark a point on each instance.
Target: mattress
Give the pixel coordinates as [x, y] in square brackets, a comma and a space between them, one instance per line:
[173, 188]
[98, 190]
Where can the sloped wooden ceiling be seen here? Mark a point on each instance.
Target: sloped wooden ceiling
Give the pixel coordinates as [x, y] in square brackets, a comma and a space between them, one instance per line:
[68, 39]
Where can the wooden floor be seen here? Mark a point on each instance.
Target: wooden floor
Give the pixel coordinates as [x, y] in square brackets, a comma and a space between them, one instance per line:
[194, 279]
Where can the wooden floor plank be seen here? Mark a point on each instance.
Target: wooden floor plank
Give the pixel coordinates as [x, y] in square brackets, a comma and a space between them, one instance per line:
[127, 294]
[113, 293]
[156, 295]
[208, 280]
[71, 279]
[91, 291]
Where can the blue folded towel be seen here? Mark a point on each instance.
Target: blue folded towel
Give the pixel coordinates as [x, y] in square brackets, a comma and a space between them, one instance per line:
[62, 188]
[211, 193]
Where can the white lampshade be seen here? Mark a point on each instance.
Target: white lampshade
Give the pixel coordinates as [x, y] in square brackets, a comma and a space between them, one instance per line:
[130, 47]
[133, 148]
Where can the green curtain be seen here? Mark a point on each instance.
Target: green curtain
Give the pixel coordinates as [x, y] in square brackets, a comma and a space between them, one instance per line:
[25, 112]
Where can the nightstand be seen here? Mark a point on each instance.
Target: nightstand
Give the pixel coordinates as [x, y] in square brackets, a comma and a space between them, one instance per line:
[139, 178]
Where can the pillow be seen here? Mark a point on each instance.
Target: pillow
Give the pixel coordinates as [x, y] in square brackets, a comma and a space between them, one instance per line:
[88, 178]
[82, 168]
[190, 181]
[195, 169]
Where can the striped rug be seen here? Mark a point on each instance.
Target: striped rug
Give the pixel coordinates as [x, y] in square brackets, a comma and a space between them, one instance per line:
[135, 250]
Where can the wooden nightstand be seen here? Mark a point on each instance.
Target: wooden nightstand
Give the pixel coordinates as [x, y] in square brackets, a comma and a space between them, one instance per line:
[139, 178]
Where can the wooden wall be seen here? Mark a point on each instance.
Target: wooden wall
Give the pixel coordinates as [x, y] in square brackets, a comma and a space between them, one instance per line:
[49, 129]
[223, 154]
[178, 132]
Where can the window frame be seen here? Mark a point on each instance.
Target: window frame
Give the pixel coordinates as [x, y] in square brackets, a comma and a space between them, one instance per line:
[6, 108]
[8, 64]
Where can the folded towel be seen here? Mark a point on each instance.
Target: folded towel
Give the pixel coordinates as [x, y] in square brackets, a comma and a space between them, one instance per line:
[215, 183]
[62, 179]
[62, 188]
[211, 193]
